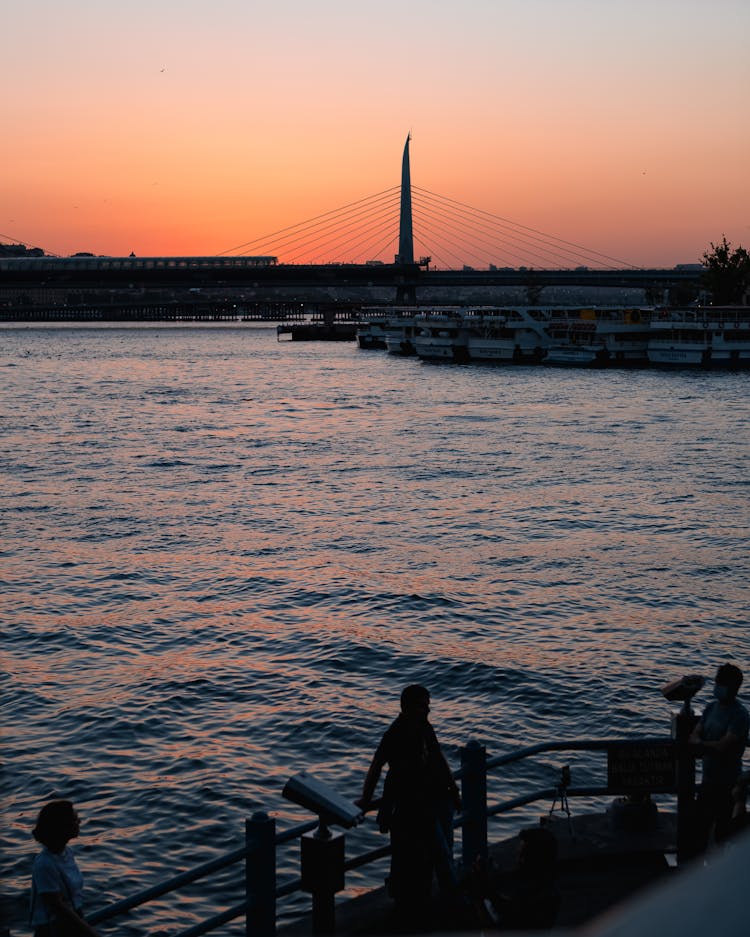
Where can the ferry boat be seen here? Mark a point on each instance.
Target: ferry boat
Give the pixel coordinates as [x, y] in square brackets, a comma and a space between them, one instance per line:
[599, 337]
[483, 334]
[371, 334]
[399, 336]
[441, 335]
[508, 336]
[389, 327]
[701, 337]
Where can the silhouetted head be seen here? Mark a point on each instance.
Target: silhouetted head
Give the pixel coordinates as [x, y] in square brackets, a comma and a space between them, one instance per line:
[415, 701]
[56, 824]
[728, 682]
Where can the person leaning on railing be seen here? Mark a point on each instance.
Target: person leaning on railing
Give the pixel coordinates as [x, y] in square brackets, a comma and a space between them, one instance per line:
[419, 797]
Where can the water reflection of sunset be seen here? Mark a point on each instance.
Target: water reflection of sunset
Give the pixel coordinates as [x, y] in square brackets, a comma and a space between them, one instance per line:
[223, 556]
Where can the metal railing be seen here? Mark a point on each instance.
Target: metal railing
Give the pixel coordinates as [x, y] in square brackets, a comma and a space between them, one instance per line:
[261, 839]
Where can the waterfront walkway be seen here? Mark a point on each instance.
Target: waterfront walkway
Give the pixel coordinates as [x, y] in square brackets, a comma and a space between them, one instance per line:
[598, 867]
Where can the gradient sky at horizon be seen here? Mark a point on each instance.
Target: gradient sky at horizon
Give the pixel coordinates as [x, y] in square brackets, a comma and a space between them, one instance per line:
[168, 127]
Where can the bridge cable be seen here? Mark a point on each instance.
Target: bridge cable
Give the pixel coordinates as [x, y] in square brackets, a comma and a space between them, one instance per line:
[325, 225]
[490, 253]
[476, 220]
[309, 221]
[459, 233]
[425, 251]
[324, 247]
[520, 231]
[27, 244]
[507, 221]
[341, 232]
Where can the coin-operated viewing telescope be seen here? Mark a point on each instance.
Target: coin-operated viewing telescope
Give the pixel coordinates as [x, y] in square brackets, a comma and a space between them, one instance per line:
[315, 795]
[322, 852]
[683, 690]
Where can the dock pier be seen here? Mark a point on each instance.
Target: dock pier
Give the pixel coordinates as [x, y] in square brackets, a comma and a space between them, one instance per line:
[604, 857]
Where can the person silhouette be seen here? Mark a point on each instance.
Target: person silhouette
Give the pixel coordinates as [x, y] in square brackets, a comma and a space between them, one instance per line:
[720, 737]
[56, 881]
[419, 796]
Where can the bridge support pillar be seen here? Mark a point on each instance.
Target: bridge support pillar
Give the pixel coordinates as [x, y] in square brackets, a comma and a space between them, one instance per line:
[406, 294]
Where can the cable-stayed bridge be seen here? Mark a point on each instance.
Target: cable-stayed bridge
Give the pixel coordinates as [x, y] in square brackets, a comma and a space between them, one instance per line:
[409, 221]
[404, 238]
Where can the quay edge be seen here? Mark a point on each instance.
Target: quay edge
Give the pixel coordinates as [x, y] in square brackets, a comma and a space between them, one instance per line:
[613, 883]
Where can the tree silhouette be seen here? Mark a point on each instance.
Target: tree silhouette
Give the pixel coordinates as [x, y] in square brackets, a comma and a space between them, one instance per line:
[727, 272]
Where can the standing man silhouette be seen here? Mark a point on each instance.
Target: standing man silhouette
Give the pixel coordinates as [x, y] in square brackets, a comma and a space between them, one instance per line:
[419, 796]
[721, 737]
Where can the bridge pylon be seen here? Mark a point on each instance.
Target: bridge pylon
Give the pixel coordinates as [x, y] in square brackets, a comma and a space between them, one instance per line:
[406, 291]
[405, 232]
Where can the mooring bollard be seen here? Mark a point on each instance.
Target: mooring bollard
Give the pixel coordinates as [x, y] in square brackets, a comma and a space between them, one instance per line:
[260, 876]
[474, 797]
[322, 866]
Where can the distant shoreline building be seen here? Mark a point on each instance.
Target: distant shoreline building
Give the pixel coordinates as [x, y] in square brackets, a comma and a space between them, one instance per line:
[20, 250]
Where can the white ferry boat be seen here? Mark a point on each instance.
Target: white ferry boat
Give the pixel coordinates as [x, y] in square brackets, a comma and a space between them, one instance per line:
[389, 327]
[701, 337]
[399, 336]
[599, 337]
[441, 334]
[508, 336]
[397, 325]
[483, 334]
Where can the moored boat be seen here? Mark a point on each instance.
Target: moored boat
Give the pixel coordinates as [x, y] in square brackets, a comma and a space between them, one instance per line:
[399, 338]
[441, 335]
[389, 327]
[575, 356]
[509, 336]
[371, 335]
[701, 337]
[599, 337]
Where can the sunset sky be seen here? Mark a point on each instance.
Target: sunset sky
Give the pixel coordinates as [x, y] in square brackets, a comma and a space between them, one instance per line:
[186, 127]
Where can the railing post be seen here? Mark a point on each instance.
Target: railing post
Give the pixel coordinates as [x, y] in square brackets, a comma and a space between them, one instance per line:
[260, 876]
[474, 797]
[322, 866]
[683, 725]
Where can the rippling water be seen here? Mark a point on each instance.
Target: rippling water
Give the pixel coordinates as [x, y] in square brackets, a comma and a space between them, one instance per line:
[223, 556]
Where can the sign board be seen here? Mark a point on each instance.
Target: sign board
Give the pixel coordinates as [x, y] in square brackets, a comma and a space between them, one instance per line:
[642, 768]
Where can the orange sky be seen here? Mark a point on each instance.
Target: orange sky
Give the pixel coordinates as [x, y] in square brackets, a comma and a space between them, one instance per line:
[185, 128]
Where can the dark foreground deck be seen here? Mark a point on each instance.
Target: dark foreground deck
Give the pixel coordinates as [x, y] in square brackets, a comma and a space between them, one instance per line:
[598, 867]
